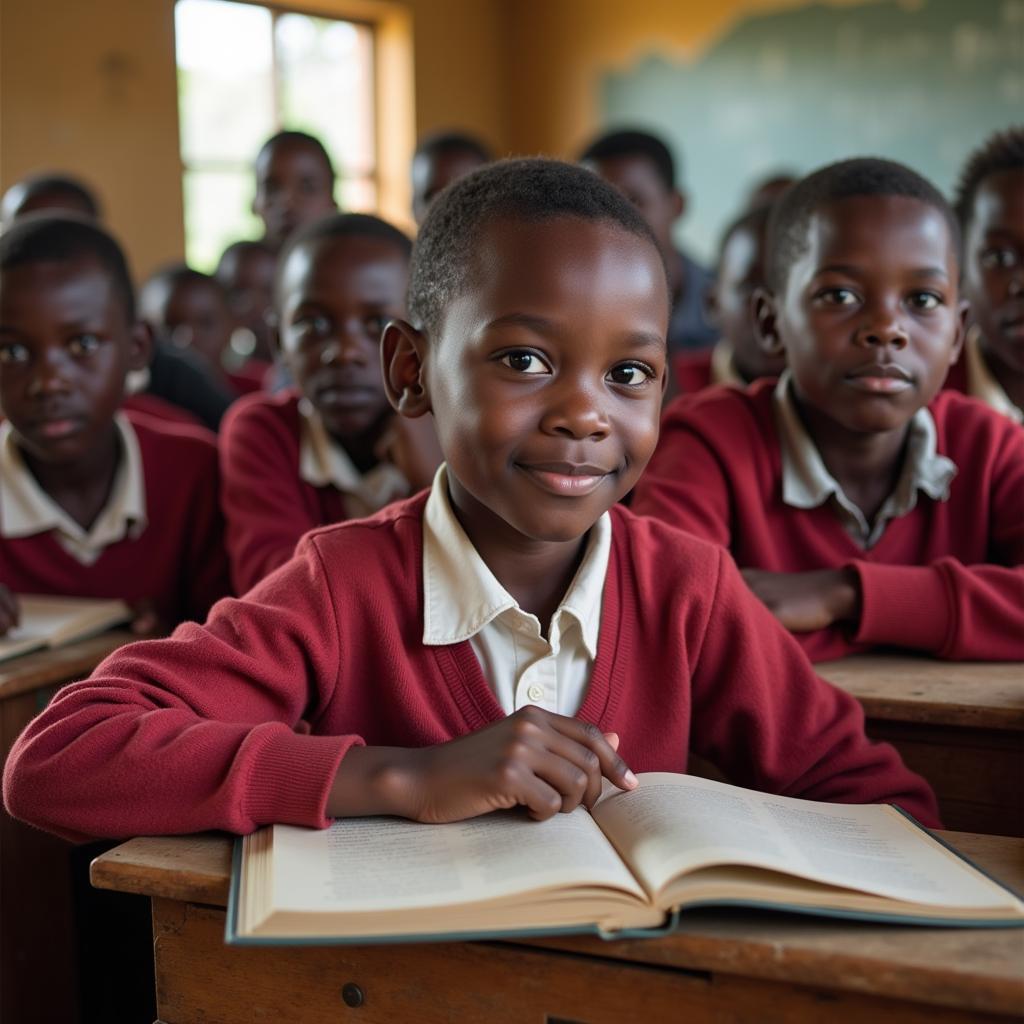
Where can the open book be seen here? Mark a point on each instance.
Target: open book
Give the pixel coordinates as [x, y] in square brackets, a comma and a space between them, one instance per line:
[52, 621]
[630, 864]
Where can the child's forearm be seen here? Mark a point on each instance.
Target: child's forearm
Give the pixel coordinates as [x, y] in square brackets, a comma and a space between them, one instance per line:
[373, 780]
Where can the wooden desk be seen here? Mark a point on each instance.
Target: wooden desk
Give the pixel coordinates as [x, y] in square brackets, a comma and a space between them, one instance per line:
[38, 952]
[723, 967]
[960, 724]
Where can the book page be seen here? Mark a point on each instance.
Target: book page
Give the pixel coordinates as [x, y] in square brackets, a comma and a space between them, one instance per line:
[363, 864]
[47, 621]
[672, 824]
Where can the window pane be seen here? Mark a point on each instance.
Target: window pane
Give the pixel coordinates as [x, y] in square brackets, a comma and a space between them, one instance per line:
[225, 79]
[326, 75]
[217, 213]
[358, 194]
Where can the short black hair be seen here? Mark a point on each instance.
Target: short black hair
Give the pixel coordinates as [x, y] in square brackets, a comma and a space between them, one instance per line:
[342, 225]
[64, 184]
[297, 139]
[1003, 151]
[633, 142]
[238, 249]
[58, 238]
[171, 275]
[530, 190]
[863, 176]
[439, 143]
[754, 220]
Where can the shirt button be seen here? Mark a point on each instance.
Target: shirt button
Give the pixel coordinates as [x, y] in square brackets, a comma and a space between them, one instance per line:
[535, 693]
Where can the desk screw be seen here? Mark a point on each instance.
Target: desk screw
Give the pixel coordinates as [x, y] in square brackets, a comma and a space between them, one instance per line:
[352, 994]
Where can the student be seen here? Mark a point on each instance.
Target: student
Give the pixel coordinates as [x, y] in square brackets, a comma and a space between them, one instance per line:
[439, 160]
[246, 273]
[865, 508]
[190, 310]
[641, 167]
[770, 188]
[326, 450]
[738, 357]
[48, 192]
[990, 205]
[507, 638]
[294, 185]
[93, 502]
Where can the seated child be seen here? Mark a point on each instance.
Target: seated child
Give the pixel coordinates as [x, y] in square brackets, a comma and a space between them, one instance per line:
[294, 185]
[325, 451]
[94, 502]
[246, 273]
[990, 205]
[52, 192]
[509, 637]
[865, 508]
[737, 357]
[439, 160]
[642, 167]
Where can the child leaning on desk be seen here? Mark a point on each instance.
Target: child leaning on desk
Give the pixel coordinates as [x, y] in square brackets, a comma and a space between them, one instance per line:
[509, 637]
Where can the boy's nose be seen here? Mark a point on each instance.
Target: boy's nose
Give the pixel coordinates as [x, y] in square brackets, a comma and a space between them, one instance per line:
[577, 413]
[883, 328]
[344, 347]
[50, 376]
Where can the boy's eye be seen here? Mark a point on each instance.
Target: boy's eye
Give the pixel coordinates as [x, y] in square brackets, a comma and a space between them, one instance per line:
[925, 300]
[12, 353]
[374, 325]
[838, 296]
[83, 344]
[632, 374]
[313, 324]
[998, 258]
[525, 362]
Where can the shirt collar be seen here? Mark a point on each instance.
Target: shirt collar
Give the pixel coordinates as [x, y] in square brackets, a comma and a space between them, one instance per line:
[26, 509]
[723, 369]
[981, 382]
[807, 483]
[461, 595]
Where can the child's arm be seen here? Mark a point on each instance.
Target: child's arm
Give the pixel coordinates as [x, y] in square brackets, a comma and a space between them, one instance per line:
[765, 719]
[8, 610]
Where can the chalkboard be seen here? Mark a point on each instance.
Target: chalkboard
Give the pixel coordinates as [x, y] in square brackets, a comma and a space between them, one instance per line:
[920, 81]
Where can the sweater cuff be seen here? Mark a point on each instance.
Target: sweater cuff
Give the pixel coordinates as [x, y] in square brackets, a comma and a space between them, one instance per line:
[903, 606]
[292, 777]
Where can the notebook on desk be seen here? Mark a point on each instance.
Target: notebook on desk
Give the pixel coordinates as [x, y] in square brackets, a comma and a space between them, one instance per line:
[53, 621]
[629, 868]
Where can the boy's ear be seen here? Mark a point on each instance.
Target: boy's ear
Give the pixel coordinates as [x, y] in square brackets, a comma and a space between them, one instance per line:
[403, 353]
[679, 203]
[963, 313]
[763, 310]
[140, 346]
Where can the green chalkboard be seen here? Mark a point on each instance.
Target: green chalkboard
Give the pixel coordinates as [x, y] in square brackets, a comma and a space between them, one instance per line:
[921, 81]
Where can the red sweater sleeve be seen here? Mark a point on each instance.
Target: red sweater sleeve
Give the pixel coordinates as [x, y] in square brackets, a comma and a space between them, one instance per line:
[197, 731]
[263, 496]
[763, 716]
[958, 611]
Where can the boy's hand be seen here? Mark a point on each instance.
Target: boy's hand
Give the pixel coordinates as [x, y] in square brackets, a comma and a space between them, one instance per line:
[411, 445]
[9, 614]
[146, 621]
[807, 601]
[546, 762]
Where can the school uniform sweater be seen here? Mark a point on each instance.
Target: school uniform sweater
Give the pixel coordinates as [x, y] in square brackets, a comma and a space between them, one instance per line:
[245, 721]
[177, 562]
[945, 578]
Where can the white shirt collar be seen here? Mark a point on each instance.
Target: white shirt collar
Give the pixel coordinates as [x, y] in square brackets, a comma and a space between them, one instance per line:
[723, 369]
[461, 595]
[26, 509]
[807, 483]
[981, 382]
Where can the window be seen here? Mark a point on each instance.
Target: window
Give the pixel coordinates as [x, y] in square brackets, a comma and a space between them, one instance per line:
[246, 71]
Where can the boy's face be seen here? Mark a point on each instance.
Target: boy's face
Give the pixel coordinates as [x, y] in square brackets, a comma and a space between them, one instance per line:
[433, 173]
[293, 187]
[546, 376]
[870, 317]
[336, 295]
[248, 280]
[994, 266]
[66, 343]
[638, 180]
[740, 272]
[192, 314]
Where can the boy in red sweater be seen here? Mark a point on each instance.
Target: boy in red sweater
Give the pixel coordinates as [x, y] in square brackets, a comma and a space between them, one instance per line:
[990, 205]
[330, 449]
[93, 502]
[864, 507]
[509, 638]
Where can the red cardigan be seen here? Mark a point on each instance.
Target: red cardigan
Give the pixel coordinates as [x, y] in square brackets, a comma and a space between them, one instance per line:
[267, 505]
[177, 562]
[946, 578]
[692, 371]
[208, 729]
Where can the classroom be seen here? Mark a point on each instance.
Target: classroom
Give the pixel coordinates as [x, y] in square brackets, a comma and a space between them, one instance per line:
[511, 510]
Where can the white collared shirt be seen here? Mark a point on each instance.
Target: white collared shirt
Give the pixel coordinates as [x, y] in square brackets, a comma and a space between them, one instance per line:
[807, 483]
[462, 600]
[26, 509]
[322, 462]
[723, 369]
[981, 382]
